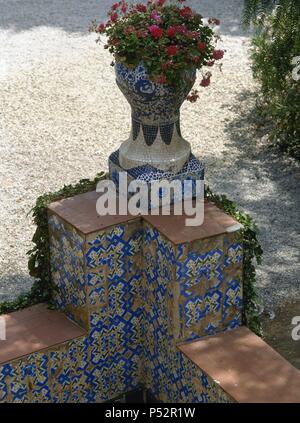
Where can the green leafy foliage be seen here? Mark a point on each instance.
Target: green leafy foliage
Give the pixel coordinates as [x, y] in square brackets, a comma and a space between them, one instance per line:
[255, 8]
[39, 256]
[275, 49]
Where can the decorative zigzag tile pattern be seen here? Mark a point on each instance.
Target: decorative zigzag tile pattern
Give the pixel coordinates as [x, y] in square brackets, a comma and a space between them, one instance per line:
[138, 296]
[55, 375]
[190, 293]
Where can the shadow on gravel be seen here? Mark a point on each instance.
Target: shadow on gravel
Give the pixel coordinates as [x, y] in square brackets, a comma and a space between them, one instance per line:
[278, 332]
[12, 285]
[265, 184]
[263, 165]
[76, 15]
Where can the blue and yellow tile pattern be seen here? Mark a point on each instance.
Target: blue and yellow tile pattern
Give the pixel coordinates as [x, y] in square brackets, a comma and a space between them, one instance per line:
[138, 296]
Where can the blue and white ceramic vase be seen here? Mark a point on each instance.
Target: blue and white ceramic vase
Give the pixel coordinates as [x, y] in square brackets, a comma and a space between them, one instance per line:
[155, 139]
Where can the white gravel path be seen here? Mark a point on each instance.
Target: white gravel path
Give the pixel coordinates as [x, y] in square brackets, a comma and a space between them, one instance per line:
[61, 114]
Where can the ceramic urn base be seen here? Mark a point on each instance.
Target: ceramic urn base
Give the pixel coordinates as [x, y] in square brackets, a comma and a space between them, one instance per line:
[155, 149]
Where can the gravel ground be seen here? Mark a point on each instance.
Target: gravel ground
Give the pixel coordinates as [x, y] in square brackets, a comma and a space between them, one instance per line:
[61, 114]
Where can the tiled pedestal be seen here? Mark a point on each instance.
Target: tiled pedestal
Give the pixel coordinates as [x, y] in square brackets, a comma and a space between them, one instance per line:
[152, 304]
[139, 287]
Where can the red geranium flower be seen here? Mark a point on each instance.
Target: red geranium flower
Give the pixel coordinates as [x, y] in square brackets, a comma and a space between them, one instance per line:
[181, 29]
[210, 63]
[115, 6]
[171, 31]
[141, 8]
[101, 27]
[155, 31]
[114, 17]
[218, 54]
[201, 46]
[205, 82]
[124, 8]
[193, 96]
[172, 50]
[186, 12]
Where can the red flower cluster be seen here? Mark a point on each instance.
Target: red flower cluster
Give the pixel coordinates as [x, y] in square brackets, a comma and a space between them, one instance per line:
[210, 63]
[101, 28]
[114, 17]
[155, 31]
[124, 8]
[160, 2]
[193, 96]
[172, 31]
[122, 5]
[169, 39]
[172, 50]
[205, 82]
[206, 79]
[218, 54]
[187, 12]
[202, 46]
[141, 8]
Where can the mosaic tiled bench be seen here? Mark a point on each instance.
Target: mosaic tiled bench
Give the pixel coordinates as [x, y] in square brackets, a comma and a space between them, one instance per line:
[41, 359]
[141, 288]
[245, 367]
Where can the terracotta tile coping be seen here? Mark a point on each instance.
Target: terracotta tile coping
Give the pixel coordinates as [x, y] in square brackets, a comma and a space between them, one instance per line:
[247, 369]
[34, 329]
[80, 212]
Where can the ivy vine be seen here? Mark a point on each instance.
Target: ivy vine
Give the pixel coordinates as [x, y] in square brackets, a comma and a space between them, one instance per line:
[39, 255]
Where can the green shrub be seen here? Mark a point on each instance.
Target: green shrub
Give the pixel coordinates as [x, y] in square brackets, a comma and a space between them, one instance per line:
[274, 47]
